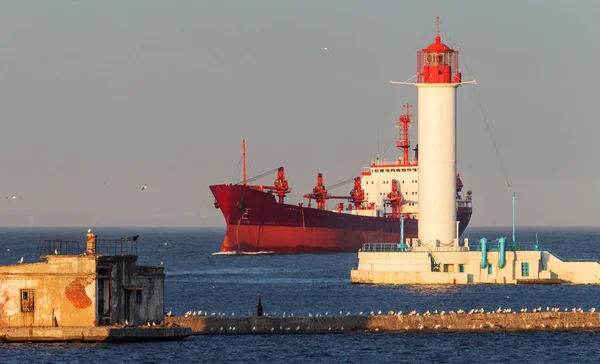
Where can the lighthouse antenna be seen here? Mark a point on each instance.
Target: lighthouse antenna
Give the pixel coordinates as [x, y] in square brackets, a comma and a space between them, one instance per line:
[437, 26]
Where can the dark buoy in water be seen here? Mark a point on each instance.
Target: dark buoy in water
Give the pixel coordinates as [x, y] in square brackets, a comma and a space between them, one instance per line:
[259, 308]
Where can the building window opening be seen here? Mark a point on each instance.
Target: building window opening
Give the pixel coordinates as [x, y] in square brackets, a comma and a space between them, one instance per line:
[138, 297]
[489, 269]
[27, 300]
[525, 269]
[461, 268]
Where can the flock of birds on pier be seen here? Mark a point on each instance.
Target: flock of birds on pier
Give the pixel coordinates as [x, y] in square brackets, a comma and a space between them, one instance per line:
[420, 326]
[473, 311]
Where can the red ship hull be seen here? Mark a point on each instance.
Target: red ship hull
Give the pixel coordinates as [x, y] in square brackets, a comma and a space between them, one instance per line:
[257, 223]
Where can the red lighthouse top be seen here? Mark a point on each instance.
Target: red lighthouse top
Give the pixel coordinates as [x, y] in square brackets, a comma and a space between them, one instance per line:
[438, 63]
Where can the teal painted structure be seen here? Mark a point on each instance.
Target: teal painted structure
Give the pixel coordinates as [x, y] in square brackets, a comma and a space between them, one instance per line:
[484, 261]
[502, 261]
[402, 232]
[514, 241]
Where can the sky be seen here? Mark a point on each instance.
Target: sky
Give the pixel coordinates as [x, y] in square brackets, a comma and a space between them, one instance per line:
[99, 98]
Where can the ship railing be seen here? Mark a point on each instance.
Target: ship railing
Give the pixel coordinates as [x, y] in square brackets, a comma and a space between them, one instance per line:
[124, 246]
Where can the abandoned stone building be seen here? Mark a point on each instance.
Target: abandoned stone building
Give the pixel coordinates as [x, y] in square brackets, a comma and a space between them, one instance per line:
[91, 282]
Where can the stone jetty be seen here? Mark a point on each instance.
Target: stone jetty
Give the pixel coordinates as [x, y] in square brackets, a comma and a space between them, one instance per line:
[393, 323]
[118, 333]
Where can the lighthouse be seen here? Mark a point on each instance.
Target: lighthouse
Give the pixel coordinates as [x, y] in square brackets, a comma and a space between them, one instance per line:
[437, 79]
[437, 82]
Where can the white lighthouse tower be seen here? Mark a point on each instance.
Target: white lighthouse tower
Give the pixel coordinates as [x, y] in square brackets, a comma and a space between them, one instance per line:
[437, 81]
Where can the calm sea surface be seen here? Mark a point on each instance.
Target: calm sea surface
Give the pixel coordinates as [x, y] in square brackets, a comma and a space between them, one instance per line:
[302, 284]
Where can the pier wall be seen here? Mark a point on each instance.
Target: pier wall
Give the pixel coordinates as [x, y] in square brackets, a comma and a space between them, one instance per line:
[501, 322]
[92, 334]
[575, 272]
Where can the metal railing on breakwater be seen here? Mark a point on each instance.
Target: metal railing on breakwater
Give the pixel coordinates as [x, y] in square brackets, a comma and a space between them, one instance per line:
[124, 246]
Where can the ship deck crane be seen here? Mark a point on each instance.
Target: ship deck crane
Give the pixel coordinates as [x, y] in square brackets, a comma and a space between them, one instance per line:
[321, 195]
[395, 200]
[280, 186]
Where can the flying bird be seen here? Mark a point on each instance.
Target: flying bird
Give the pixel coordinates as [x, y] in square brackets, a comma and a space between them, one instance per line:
[325, 49]
[143, 187]
[21, 260]
[13, 197]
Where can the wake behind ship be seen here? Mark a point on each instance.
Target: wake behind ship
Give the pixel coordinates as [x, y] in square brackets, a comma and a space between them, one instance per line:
[258, 219]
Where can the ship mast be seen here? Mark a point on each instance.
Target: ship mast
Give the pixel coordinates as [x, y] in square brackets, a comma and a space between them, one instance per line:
[403, 143]
[244, 158]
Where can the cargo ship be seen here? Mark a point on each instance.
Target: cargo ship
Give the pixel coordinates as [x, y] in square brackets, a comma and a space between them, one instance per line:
[259, 220]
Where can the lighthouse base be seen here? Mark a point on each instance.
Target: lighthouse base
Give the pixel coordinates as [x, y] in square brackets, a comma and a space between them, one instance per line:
[398, 264]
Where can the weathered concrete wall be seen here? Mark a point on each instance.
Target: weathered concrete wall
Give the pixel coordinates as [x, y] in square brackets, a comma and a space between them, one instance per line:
[539, 321]
[64, 290]
[151, 280]
[136, 292]
[92, 334]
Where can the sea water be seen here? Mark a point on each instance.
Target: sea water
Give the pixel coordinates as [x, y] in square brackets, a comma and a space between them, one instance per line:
[197, 279]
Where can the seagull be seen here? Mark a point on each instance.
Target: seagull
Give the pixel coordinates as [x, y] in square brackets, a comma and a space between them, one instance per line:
[55, 252]
[325, 49]
[21, 260]
[161, 264]
[153, 323]
[89, 231]
[143, 187]
[126, 322]
[13, 197]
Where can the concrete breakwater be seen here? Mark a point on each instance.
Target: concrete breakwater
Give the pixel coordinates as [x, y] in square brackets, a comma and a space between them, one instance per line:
[480, 322]
[92, 334]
